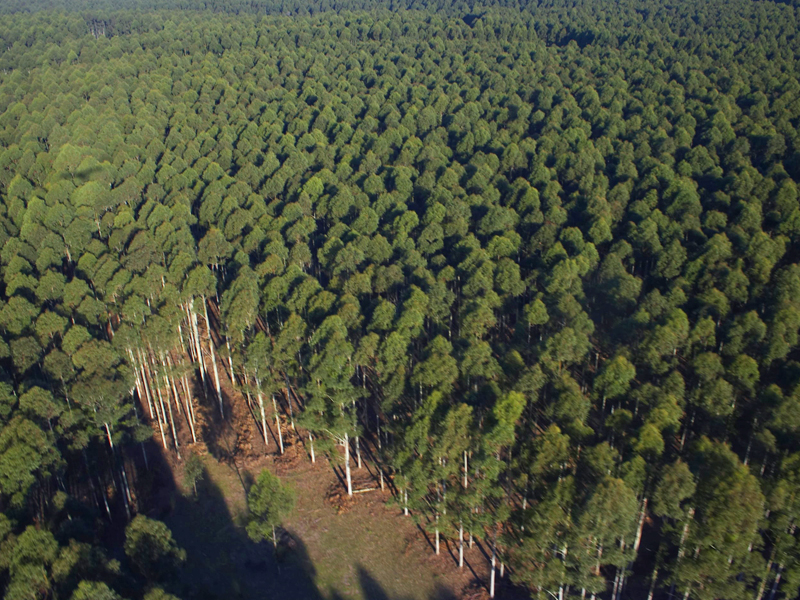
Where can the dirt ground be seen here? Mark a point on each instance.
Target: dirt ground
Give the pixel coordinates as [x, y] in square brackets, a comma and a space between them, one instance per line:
[331, 547]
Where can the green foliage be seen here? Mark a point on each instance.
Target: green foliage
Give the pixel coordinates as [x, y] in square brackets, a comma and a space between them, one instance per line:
[558, 241]
[152, 550]
[269, 503]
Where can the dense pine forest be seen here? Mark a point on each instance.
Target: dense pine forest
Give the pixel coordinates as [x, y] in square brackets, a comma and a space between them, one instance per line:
[538, 261]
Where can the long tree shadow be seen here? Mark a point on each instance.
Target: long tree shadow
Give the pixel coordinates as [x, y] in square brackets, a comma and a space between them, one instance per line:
[371, 589]
[222, 562]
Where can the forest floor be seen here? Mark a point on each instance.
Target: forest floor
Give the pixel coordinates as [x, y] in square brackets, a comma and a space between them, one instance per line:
[332, 546]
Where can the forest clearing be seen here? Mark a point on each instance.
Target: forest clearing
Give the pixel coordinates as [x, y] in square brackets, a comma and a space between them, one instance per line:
[332, 547]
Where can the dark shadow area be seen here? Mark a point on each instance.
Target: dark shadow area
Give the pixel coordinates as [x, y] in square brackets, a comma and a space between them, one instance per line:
[222, 562]
[372, 589]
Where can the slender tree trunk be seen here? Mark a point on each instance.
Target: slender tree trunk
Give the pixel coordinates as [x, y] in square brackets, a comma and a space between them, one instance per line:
[274, 538]
[260, 396]
[289, 403]
[230, 361]
[639, 529]
[685, 533]
[358, 453]
[171, 420]
[144, 383]
[198, 351]
[494, 561]
[139, 388]
[189, 406]
[174, 431]
[190, 333]
[311, 443]
[653, 584]
[213, 359]
[762, 586]
[776, 583]
[277, 423]
[437, 535]
[460, 544]
[466, 469]
[405, 502]
[161, 419]
[347, 465]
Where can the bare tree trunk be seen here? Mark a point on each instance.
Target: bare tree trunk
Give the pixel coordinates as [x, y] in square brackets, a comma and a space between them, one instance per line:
[653, 584]
[190, 405]
[639, 529]
[460, 544]
[192, 346]
[213, 359]
[494, 561]
[437, 535]
[776, 583]
[230, 361]
[189, 411]
[263, 413]
[160, 422]
[347, 465]
[762, 586]
[358, 453]
[171, 420]
[466, 471]
[198, 351]
[144, 382]
[311, 442]
[277, 423]
[174, 432]
[685, 533]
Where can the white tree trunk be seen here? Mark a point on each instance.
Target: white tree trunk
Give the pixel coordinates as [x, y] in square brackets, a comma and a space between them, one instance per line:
[311, 443]
[230, 361]
[160, 423]
[460, 544]
[189, 406]
[213, 359]
[347, 465]
[144, 382]
[639, 529]
[263, 413]
[358, 453]
[277, 423]
[466, 471]
[492, 575]
[172, 425]
[653, 584]
[198, 351]
[437, 535]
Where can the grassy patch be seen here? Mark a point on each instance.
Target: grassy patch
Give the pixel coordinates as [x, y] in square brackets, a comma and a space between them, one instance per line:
[368, 552]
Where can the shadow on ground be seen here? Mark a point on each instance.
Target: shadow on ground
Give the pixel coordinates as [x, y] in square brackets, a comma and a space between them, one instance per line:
[222, 562]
